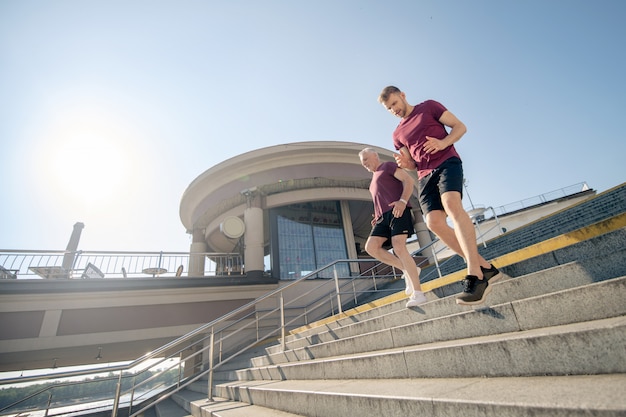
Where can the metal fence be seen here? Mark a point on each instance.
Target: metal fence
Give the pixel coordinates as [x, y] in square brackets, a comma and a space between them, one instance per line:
[37, 264]
[542, 198]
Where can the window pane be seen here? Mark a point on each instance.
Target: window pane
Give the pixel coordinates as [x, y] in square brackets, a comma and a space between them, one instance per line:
[329, 246]
[295, 248]
[310, 235]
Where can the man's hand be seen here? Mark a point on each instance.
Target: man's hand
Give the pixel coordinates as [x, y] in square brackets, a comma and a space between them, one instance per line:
[397, 208]
[434, 145]
[404, 160]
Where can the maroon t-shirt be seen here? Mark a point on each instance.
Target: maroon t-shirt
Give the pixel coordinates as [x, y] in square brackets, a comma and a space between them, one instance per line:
[385, 188]
[412, 131]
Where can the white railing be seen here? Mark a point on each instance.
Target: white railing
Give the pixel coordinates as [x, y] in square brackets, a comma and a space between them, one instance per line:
[542, 198]
[38, 264]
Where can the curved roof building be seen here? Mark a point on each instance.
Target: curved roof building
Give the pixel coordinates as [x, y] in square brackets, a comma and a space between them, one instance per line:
[288, 209]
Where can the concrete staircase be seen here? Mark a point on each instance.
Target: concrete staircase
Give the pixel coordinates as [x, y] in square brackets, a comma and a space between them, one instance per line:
[605, 205]
[550, 341]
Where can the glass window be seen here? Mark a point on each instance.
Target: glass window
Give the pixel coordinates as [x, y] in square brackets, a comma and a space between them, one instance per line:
[305, 237]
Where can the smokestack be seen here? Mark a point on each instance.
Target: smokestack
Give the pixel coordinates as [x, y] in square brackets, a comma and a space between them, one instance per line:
[72, 246]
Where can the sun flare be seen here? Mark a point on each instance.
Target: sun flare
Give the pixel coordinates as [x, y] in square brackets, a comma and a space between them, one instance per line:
[86, 157]
[88, 167]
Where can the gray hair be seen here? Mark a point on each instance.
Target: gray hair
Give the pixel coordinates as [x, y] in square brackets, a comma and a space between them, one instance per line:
[367, 150]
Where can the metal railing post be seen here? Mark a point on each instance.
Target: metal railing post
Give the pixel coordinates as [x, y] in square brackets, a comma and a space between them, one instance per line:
[47, 405]
[282, 322]
[132, 396]
[480, 235]
[118, 390]
[432, 248]
[212, 340]
[495, 216]
[180, 369]
[337, 290]
[221, 344]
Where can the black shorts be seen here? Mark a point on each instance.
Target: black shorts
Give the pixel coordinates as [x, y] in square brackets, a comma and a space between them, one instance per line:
[447, 177]
[388, 226]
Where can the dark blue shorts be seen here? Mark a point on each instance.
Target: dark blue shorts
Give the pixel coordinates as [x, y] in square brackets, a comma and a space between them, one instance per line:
[388, 226]
[447, 177]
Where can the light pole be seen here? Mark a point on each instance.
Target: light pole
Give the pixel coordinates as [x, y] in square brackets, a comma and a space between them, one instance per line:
[467, 192]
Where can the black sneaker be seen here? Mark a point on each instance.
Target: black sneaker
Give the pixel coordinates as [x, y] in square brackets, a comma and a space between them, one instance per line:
[492, 274]
[475, 291]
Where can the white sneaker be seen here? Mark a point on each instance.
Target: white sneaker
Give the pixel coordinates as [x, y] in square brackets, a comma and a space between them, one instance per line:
[409, 284]
[416, 299]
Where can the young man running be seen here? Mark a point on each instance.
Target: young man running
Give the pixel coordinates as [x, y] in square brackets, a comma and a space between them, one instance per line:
[426, 145]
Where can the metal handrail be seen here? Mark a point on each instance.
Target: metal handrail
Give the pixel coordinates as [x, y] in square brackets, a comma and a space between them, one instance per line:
[281, 329]
[543, 198]
[238, 319]
[202, 340]
[19, 267]
[37, 264]
[196, 340]
[269, 335]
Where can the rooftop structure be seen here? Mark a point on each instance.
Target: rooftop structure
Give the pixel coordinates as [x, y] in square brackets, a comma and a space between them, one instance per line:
[300, 206]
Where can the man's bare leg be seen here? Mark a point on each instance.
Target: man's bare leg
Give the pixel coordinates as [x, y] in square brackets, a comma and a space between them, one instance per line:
[464, 231]
[436, 222]
[374, 247]
[408, 264]
[476, 283]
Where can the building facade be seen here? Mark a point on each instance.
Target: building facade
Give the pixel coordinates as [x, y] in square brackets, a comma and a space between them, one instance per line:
[289, 209]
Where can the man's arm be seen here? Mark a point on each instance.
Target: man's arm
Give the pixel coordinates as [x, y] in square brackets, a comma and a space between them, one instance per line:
[404, 160]
[457, 130]
[407, 189]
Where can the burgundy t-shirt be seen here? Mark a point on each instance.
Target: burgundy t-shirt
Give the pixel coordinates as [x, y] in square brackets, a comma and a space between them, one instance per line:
[385, 188]
[412, 131]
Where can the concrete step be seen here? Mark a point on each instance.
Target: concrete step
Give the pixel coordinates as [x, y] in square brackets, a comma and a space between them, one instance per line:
[178, 405]
[170, 408]
[244, 359]
[573, 349]
[202, 386]
[221, 407]
[562, 277]
[554, 396]
[150, 412]
[549, 341]
[225, 371]
[187, 403]
[591, 302]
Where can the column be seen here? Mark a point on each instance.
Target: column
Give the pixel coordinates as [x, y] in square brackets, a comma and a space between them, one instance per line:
[253, 236]
[423, 234]
[348, 232]
[197, 256]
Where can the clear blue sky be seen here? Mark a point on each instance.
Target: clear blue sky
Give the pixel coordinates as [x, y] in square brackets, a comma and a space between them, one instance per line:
[109, 109]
